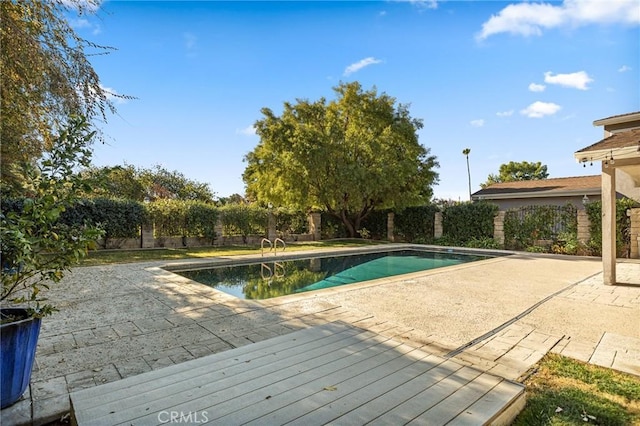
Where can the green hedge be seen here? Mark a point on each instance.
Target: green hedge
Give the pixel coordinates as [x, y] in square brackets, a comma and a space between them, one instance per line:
[243, 219]
[465, 222]
[623, 226]
[524, 226]
[173, 218]
[415, 224]
[290, 221]
[117, 218]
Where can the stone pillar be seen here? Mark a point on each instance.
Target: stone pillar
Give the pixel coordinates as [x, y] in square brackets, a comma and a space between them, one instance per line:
[218, 230]
[608, 224]
[271, 226]
[315, 223]
[390, 235]
[635, 233]
[498, 227]
[146, 236]
[437, 225]
[583, 227]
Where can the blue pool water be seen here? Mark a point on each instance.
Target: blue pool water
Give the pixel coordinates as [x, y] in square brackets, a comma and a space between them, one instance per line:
[281, 277]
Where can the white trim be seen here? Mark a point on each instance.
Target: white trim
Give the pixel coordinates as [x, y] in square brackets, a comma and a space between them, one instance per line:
[617, 120]
[605, 154]
[539, 194]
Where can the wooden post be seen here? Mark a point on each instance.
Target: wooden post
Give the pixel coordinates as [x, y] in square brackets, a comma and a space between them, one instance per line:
[608, 224]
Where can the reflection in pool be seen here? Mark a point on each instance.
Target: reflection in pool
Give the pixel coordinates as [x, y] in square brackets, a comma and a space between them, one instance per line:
[280, 277]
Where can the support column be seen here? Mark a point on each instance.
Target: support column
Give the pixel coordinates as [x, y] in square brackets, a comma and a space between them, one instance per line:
[635, 233]
[609, 224]
[498, 227]
[390, 217]
[437, 225]
[315, 224]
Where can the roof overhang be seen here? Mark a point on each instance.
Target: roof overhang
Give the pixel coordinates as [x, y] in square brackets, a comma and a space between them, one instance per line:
[539, 194]
[607, 154]
[624, 118]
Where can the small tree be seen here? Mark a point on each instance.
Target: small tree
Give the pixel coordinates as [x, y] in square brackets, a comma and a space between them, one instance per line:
[37, 248]
[515, 171]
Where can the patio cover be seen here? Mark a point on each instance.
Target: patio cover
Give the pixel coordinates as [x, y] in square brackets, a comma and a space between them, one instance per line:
[618, 152]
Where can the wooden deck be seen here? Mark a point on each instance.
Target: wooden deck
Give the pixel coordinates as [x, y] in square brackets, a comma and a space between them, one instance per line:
[335, 373]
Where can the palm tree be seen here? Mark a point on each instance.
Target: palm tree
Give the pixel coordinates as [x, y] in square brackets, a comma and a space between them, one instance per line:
[466, 153]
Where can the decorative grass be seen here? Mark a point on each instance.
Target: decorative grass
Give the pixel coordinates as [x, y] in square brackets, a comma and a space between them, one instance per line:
[104, 257]
[563, 391]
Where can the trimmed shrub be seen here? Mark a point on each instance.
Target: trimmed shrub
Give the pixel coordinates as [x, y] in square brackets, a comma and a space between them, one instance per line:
[375, 225]
[243, 219]
[415, 224]
[524, 226]
[290, 221]
[178, 218]
[623, 226]
[463, 222]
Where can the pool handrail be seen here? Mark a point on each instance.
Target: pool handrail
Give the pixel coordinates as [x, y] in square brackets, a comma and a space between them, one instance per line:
[273, 245]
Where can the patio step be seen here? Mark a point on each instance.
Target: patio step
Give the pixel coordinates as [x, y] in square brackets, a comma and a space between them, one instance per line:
[334, 373]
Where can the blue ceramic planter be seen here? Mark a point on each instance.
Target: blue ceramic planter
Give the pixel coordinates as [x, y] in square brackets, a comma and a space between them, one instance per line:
[18, 350]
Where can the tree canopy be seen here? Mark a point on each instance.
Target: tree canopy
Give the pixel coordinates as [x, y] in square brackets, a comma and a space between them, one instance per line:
[346, 156]
[46, 77]
[515, 171]
[142, 184]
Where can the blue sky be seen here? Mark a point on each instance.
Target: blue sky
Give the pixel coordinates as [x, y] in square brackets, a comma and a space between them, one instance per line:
[512, 81]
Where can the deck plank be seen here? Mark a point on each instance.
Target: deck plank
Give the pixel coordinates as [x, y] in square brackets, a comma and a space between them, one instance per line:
[334, 373]
[170, 391]
[257, 386]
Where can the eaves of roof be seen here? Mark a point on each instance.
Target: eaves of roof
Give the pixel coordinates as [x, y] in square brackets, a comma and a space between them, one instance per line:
[617, 119]
[620, 145]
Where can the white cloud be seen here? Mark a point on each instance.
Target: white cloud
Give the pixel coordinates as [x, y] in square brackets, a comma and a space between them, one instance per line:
[112, 95]
[540, 109]
[247, 131]
[624, 68]
[383, 13]
[425, 4]
[190, 41]
[505, 113]
[537, 87]
[355, 67]
[477, 123]
[527, 19]
[576, 80]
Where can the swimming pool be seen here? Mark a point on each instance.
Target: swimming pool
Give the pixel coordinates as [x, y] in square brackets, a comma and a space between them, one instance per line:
[278, 277]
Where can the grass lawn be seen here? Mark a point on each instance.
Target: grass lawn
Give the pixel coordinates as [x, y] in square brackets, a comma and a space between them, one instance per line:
[104, 257]
[563, 391]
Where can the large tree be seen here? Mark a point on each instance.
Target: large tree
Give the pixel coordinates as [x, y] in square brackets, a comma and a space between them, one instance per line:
[46, 76]
[347, 156]
[515, 171]
[142, 184]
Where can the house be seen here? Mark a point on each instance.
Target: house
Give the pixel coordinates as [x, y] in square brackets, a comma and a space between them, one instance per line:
[619, 154]
[577, 190]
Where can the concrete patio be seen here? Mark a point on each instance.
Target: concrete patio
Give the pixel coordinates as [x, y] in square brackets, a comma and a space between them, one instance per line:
[500, 316]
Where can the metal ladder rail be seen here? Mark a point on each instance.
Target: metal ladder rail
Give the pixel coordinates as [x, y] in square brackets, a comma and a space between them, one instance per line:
[273, 245]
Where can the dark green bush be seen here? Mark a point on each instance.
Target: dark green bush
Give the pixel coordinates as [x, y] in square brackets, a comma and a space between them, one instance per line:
[177, 218]
[243, 219]
[376, 224]
[415, 224]
[623, 226]
[290, 221]
[118, 218]
[465, 221]
[331, 227]
[526, 225]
